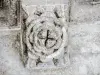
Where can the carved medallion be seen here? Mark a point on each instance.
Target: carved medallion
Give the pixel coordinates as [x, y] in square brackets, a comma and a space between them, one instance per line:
[45, 39]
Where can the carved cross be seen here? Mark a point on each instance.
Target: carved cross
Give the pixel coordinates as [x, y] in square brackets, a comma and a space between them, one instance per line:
[47, 38]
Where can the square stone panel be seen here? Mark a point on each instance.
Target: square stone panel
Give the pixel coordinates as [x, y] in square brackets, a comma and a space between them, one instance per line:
[85, 10]
[44, 37]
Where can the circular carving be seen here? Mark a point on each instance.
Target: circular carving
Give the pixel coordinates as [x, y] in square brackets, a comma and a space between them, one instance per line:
[44, 39]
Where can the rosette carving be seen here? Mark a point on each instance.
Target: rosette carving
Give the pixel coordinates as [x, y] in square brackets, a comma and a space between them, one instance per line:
[45, 39]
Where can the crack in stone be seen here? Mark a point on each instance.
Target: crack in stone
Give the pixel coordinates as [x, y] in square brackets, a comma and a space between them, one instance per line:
[56, 14]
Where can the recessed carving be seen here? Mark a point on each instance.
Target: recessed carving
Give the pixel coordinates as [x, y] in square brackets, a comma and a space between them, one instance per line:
[45, 39]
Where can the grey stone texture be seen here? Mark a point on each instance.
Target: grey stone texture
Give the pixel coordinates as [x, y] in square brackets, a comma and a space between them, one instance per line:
[9, 13]
[83, 48]
[85, 10]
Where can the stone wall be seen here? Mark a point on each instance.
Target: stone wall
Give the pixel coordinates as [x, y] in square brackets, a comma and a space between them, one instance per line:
[20, 54]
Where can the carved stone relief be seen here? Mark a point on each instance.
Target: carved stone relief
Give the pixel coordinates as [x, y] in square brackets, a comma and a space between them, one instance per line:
[45, 38]
[44, 42]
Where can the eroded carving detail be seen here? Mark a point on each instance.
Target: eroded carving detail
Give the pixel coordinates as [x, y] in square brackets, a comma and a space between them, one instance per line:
[45, 39]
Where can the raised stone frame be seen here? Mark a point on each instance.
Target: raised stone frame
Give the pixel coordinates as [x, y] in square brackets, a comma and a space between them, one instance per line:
[44, 38]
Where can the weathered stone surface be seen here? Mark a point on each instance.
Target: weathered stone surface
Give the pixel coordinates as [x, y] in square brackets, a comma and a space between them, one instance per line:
[84, 48]
[81, 52]
[45, 37]
[34, 2]
[9, 13]
[85, 10]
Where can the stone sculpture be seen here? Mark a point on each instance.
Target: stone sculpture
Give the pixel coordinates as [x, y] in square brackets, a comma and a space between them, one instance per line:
[45, 38]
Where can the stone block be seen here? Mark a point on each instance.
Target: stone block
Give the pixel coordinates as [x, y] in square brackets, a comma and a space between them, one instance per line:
[45, 38]
[85, 10]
